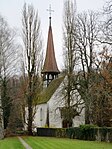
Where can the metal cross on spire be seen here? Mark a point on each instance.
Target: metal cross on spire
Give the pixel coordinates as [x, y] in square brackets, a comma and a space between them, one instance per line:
[50, 11]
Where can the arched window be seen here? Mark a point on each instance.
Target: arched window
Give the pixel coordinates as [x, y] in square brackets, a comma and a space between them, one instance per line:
[40, 114]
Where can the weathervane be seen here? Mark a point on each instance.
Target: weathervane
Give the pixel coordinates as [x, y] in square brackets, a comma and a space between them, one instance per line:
[50, 11]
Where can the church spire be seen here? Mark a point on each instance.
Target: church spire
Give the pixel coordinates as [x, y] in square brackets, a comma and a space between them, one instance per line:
[50, 69]
[49, 21]
[50, 11]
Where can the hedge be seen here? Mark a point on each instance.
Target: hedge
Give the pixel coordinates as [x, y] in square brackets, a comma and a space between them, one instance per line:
[84, 132]
[90, 132]
[52, 132]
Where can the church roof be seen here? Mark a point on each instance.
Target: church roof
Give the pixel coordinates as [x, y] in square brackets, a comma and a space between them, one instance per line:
[47, 93]
[50, 64]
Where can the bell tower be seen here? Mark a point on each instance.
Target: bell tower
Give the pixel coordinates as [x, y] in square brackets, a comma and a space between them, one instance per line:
[50, 69]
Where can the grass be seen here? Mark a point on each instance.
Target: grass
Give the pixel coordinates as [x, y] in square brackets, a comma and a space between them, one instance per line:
[11, 143]
[54, 143]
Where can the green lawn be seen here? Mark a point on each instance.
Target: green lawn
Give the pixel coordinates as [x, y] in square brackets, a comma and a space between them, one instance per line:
[11, 143]
[54, 143]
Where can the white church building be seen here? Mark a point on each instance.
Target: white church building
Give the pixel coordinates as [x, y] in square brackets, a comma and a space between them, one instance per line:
[50, 101]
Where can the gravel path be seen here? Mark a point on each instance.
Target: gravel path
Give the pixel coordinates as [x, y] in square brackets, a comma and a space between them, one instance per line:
[24, 143]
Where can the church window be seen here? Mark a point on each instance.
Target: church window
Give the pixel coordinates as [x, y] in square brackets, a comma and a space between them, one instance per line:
[41, 114]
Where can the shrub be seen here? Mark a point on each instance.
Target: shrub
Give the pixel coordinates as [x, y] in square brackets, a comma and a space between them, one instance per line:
[87, 132]
[70, 132]
[84, 132]
[103, 133]
[61, 132]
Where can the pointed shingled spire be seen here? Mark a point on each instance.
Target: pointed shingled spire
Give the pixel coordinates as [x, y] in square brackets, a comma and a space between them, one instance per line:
[50, 64]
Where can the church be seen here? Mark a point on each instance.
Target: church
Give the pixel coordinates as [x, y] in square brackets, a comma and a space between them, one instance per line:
[50, 101]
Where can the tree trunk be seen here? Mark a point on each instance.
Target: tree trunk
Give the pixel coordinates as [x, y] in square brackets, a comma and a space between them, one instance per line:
[30, 117]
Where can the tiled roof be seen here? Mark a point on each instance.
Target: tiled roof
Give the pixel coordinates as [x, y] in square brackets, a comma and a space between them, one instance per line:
[46, 94]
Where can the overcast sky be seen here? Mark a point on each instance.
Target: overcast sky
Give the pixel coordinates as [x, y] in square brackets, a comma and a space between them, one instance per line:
[12, 11]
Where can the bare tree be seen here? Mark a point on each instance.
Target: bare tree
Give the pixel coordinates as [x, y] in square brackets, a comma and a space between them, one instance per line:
[82, 48]
[32, 50]
[8, 54]
[86, 40]
[72, 99]
[106, 26]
